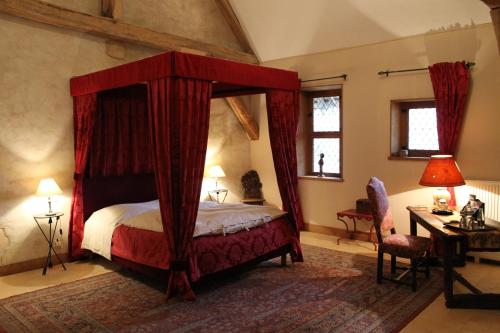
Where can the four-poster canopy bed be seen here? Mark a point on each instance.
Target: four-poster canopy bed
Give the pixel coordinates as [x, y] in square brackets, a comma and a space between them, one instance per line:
[141, 133]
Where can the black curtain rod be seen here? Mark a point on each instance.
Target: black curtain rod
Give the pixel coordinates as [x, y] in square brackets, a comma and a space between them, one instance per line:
[387, 72]
[343, 76]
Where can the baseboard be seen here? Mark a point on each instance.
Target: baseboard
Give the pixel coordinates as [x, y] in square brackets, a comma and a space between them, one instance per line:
[29, 265]
[342, 233]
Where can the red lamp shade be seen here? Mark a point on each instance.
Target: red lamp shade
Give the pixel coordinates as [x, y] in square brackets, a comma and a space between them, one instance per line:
[442, 170]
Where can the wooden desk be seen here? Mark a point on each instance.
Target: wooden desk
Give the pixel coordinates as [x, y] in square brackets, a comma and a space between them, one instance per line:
[435, 226]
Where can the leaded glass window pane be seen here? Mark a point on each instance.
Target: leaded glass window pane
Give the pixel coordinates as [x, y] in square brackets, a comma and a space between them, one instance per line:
[326, 114]
[331, 149]
[422, 129]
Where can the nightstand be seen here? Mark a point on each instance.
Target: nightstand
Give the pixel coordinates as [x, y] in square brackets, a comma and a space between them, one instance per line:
[51, 218]
[256, 202]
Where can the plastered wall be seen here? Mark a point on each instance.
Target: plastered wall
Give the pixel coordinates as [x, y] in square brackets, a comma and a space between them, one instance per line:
[366, 119]
[36, 119]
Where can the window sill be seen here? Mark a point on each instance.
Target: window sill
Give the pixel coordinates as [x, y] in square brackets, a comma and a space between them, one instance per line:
[330, 179]
[408, 158]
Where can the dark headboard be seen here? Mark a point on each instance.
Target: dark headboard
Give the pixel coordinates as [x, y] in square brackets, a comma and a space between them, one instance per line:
[100, 192]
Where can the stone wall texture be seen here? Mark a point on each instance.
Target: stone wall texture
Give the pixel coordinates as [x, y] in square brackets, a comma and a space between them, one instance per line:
[36, 137]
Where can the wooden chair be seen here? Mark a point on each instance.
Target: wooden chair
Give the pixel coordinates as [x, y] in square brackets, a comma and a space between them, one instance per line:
[414, 248]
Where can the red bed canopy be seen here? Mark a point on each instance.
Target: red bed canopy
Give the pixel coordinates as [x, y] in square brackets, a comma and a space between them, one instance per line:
[179, 89]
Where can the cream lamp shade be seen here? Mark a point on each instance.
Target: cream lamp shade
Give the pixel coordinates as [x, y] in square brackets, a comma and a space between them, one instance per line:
[216, 172]
[47, 188]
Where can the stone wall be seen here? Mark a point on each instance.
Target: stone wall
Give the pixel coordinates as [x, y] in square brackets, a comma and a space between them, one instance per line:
[36, 138]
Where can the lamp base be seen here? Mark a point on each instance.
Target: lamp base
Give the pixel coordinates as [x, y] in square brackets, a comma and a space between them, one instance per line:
[436, 211]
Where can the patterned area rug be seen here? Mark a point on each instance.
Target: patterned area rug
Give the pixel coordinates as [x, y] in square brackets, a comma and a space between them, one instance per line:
[331, 291]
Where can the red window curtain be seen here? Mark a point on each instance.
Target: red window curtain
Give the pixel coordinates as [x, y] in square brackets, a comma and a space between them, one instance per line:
[84, 110]
[179, 113]
[121, 143]
[450, 82]
[283, 109]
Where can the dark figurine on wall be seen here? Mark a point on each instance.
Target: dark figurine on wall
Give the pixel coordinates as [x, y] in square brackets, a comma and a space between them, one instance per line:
[320, 162]
[251, 185]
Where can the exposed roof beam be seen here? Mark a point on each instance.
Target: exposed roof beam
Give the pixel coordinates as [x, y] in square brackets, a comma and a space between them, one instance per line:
[112, 9]
[246, 120]
[43, 12]
[495, 17]
[233, 22]
[236, 103]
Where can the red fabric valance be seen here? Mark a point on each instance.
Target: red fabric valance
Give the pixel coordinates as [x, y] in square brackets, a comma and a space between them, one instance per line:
[178, 64]
[124, 75]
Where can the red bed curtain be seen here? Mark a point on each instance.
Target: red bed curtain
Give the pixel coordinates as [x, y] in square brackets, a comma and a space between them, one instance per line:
[84, 110]
[121, 142]
[179, 113]
[283, 109]
[450, 82]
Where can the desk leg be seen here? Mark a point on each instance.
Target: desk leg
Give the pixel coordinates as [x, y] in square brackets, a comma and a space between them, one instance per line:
[413, 227]
[448, 272]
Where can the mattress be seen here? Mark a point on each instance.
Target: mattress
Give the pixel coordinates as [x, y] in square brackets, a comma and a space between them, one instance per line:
[213, 219]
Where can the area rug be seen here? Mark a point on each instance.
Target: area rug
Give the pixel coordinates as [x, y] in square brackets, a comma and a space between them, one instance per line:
[331, 291]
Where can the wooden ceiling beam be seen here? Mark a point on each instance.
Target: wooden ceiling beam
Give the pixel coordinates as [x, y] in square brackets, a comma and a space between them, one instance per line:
[246, 120]
[108, 27]
[495, 17]
[112, 9]
[236, 103]
[46, 13]
[233, 22]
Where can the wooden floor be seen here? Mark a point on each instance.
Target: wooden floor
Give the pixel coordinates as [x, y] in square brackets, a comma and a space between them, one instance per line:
[435, 318]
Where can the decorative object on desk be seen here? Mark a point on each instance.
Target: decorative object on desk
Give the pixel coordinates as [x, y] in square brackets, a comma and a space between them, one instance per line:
[216, 172]
[50, 237]
[442, 171]
[47, 188]
[252, 187]
[363, 206]
[472, 214]
[320, 163]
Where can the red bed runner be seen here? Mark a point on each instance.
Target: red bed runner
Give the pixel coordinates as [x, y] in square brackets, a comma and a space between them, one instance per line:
[211, 253]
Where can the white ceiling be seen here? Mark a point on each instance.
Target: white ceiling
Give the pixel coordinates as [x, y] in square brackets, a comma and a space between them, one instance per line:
[284, 28]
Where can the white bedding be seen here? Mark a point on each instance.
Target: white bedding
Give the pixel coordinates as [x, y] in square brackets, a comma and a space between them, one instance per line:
[213, 219]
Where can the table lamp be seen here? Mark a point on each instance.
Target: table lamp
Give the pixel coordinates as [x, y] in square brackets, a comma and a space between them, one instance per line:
[442, 171]
[47, 188]
[216, 172]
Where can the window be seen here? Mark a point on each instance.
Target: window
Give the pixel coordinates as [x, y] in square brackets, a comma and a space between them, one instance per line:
[325, 114]
[414, 128]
